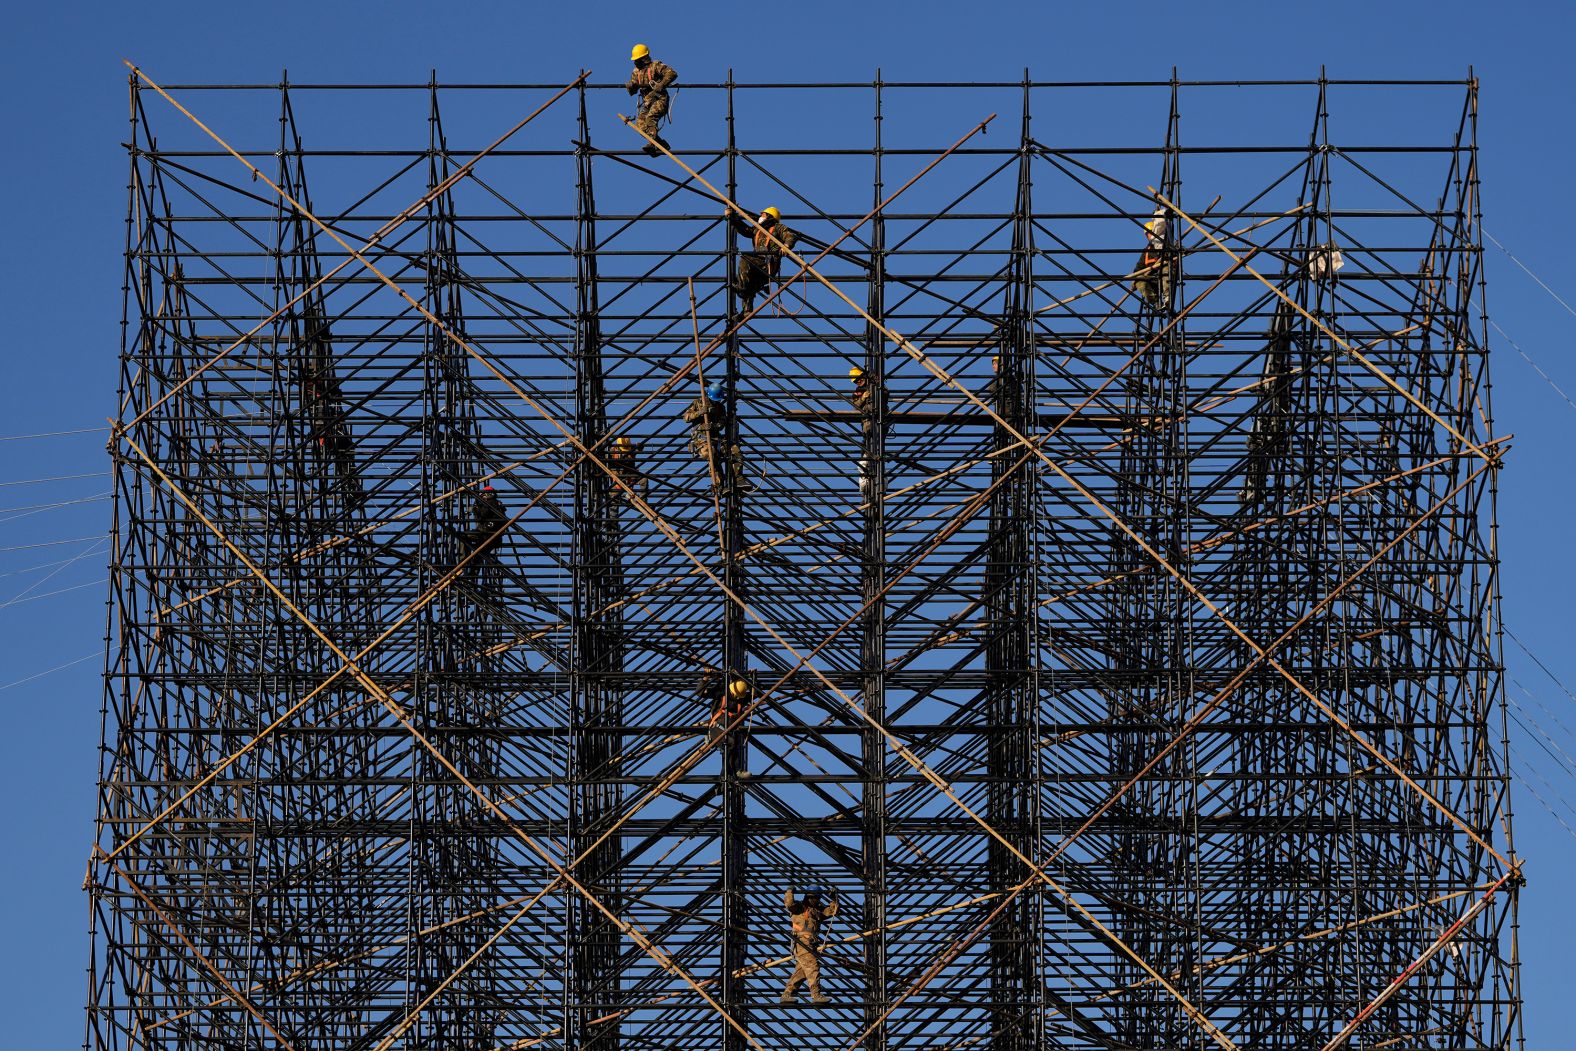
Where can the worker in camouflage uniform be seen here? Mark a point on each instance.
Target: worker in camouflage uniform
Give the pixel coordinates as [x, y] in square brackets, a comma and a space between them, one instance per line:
[652, 80]
[807, 916]
[764, 261]
[707, 416]
[864, 395]
[864, 399]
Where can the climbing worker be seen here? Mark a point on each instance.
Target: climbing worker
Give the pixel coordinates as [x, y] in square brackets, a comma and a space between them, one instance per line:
[1152, 279]
[863, 398]
[488, 517]
[652, 80]
[621, 459]
[806, 916]
[726, 697]
[725, 702]
[758, 267]
[707, 416]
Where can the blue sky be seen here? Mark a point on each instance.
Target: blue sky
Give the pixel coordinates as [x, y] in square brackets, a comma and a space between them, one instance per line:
[64, 180]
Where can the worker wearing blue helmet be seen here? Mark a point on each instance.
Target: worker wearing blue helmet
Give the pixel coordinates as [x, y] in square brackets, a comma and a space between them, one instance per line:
[708, 416]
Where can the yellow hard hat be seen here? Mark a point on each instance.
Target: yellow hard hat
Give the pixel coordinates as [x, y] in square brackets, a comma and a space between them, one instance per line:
[855, 372]
[638, 52]
[773, 212]
[623, 443]
[738, 688]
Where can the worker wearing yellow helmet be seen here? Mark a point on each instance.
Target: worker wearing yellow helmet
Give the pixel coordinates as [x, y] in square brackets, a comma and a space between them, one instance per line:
[861, 393]
[1152, 279]
[727, 696]
[769, 237]
[652, 80]
[621, 461]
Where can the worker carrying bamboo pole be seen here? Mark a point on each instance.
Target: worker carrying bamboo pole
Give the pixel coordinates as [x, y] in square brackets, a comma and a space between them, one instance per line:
[708, 416]
[621, 460]
[764, 262]
[807, 915]
[651, 79]
[1152, 279]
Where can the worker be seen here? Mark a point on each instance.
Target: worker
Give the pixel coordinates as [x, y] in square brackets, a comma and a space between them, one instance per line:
[621, 460]
[758, 267]
[862, 389]
[864, 401]
[807, 916]
[489, 518]
[323, 408]
[707, 416]
[726, 702]
[1152, 279]
[652, 80]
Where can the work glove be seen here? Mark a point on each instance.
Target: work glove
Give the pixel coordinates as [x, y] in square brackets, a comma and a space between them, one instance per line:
[631, 88]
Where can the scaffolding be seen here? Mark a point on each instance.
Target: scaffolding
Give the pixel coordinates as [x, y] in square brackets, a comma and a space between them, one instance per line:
[1125, 661]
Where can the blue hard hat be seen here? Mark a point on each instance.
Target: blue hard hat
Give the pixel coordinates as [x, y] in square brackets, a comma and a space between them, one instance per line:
[714, 390]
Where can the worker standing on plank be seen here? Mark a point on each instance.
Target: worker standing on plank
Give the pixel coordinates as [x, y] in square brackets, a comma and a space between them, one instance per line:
[1152, 279]
[764, 262]
[651, 79]
[807, 916]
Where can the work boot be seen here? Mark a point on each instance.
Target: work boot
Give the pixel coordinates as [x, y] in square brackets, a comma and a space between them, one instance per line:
[818, 997]
[786, 998]
[650, 150]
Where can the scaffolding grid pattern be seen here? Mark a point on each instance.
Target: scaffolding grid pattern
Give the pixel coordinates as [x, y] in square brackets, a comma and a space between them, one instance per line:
[1125, 661]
